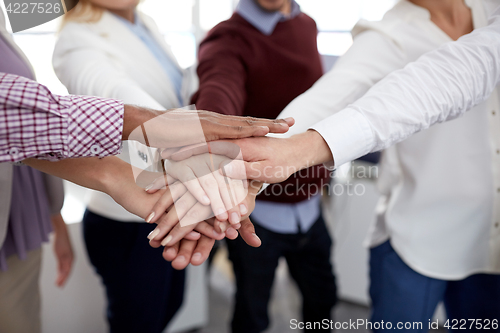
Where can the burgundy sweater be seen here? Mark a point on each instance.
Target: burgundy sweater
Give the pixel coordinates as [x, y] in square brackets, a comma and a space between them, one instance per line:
[244, 72]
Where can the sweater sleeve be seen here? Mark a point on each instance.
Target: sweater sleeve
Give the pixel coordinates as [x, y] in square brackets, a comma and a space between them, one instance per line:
[222, 75]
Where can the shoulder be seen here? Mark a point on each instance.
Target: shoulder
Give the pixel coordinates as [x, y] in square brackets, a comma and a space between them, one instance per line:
[72, 29]
[235, 25]
[306, 20]
[228, 34]
[148, 21]
[86, 34]
[397, 22]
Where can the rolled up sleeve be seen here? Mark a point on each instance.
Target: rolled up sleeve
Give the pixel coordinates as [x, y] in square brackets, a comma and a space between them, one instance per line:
[34, 123]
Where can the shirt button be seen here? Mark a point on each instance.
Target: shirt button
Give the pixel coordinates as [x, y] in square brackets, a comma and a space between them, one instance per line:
[95, 149]
[493, 112]
[14, 151]
[498, 151]
[496, 225]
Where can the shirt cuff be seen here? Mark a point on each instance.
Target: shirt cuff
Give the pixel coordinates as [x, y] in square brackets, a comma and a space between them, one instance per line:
[95, 126]
[348, 135]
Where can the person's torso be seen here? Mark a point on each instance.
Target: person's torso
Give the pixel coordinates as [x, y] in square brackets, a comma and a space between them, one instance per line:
[132, 56]
[438, 186]
[279, 67]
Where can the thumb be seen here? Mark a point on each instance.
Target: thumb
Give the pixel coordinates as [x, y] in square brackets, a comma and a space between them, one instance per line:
[242, 170]
[247, 232]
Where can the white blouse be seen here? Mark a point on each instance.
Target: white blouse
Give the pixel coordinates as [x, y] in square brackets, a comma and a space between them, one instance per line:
[441, 187]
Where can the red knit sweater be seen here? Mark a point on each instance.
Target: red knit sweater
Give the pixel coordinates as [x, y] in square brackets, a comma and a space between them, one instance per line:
[244, 72]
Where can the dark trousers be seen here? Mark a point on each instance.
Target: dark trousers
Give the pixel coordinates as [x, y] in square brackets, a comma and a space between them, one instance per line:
[308, 259]
[401, 295]
[143, 290]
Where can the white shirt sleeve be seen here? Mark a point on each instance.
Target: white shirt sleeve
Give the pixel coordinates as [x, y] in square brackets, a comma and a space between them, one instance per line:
[351, 77]
[440, 86]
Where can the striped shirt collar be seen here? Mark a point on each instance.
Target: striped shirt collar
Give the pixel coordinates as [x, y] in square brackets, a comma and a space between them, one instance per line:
[262, 20]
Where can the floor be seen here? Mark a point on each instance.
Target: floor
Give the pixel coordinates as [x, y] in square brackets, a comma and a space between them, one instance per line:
[284, 306]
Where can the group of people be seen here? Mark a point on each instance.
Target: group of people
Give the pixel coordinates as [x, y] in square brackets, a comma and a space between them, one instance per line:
[436, 236]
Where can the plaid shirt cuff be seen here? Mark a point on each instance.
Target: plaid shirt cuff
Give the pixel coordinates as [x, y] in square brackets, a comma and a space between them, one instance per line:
[36, 123]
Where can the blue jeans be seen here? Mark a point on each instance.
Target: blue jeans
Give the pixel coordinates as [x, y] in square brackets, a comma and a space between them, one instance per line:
[401, 295]
[143, 290]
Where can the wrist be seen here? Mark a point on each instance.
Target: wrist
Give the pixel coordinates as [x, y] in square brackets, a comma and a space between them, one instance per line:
[133, 117]
[309, 149]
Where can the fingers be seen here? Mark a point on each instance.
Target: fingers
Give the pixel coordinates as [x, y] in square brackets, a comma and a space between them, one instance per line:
[247, 232]
[193, 184]
[227, 189]
[185, 252]
[242, 127]
[63, 271]
[220, 226]
[193, 235]
[213, 188]
[189, 222]
[202, 250]
[159, 183]
[290, 121]
[169, 220]
[209, 231]
[224, 148]
[170, 252]
[231, 233]
[185, 152]
[243, 170]
[174, 192]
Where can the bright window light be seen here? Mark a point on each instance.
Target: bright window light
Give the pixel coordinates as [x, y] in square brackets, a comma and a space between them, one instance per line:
[213, 12]
[334, 43]
[183, 46]
[170, 15]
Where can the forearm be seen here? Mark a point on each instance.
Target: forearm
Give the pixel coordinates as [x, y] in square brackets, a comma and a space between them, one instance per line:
[94, 173]
[110, 175]
[135, 116]
[34, 123]
[308, 149]
[58, 223]
[440, 86]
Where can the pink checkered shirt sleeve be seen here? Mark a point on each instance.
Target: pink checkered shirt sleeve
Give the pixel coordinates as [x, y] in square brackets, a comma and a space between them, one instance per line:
[36, 123]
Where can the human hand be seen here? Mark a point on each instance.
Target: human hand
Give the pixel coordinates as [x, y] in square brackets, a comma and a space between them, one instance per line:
[201, 176]
[179, 127]
[170, 235]
[266, 159]
[195, 253]
[62, 250]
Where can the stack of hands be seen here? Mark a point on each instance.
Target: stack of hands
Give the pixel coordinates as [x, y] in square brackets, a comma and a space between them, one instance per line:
[198, 202]
[207, 172]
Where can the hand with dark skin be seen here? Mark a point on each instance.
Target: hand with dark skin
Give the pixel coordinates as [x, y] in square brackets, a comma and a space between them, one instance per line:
[178, 127]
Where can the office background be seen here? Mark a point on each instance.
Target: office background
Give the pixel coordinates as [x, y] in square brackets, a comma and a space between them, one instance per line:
[79, 306]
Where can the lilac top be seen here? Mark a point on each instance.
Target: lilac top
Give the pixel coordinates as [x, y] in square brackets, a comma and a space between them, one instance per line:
[29, 220]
